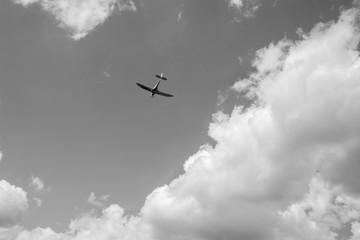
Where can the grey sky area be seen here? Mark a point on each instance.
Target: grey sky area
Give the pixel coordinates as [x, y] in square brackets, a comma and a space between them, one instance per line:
[259, 142]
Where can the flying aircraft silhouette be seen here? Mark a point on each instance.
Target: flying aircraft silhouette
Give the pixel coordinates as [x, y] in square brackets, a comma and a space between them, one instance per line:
[155, 90]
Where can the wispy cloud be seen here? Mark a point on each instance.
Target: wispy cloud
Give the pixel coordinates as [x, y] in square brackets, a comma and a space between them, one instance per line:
[126, 5]
[37, 184]
[356, 3]
[181, 11]
[37, 201]
[222, 97]
[241, 60]
[247, 8]
[106, 74]
[98, 202]
[180, 16]
[80, 17]
[284, 168]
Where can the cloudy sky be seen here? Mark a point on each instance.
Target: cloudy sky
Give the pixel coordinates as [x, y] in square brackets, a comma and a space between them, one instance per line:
[260, 142]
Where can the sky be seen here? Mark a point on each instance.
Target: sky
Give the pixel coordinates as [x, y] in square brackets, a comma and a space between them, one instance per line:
[260, 142]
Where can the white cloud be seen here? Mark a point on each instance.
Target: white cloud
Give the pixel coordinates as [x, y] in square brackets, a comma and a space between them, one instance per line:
[247, 8]
[37, 183]
[321, 215]
[259, 181]
[355, 229]
[110, 225]
[80, 17]
[99, 202]
[39, 234]
[10, 233]
[13, 204]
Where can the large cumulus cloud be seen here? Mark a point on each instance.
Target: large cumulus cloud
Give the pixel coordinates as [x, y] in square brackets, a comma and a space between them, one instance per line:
[284, 168]
[306, 119]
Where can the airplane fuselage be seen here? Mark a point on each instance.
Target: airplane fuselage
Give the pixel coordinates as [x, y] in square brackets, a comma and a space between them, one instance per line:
[155, 90]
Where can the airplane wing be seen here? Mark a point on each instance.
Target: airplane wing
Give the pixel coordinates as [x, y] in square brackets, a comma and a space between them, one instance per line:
[144, 87]
[161, 77]
[164, 94]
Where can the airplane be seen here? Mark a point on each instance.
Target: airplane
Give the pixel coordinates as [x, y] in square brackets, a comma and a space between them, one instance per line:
[155, 90]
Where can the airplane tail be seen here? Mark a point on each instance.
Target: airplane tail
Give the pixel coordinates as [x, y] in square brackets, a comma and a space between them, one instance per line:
[161, 77]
